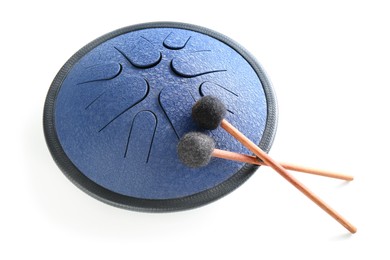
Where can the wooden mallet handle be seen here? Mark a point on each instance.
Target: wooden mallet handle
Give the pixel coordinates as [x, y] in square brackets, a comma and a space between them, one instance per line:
[283, 172]
[228, 155]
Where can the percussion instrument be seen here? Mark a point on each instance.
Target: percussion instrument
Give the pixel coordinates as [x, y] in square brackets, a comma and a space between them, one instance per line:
[117, 109]
[118, 113]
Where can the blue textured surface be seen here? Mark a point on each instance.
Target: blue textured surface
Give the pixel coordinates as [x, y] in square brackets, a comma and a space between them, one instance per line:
[123, 107]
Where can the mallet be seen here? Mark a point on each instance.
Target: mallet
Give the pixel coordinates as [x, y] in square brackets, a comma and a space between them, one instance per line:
[196, 149]
[209, 113]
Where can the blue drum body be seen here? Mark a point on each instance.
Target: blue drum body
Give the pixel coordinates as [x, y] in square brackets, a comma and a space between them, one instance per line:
[115, 113]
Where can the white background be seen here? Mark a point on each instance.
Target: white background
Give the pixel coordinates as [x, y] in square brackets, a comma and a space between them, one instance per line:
[329, 63]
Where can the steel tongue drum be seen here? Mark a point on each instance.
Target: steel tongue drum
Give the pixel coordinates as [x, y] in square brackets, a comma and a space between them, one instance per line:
[117, 109]
[163, 117]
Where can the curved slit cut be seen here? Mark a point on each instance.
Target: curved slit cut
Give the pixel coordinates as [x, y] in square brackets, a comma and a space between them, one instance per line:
[131, 131]
[124, 55]
[194, 75]
[154, 133]
[128, 138]
[149, 65]
[121, 113]
[93, 101]
[175, 48]
[228, 90]
[165, 113]
[97, 80]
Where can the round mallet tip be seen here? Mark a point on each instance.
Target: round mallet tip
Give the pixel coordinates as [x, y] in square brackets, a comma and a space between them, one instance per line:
[208, 112]
[195, 149]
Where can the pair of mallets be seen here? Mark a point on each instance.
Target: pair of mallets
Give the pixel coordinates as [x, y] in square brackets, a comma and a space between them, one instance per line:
[196, 149]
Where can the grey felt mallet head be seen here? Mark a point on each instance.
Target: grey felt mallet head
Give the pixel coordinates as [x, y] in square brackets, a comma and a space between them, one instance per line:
[195, 149]
[208, 112]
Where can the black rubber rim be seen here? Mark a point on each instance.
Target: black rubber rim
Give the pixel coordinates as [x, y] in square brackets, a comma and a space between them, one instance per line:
[152, 205]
